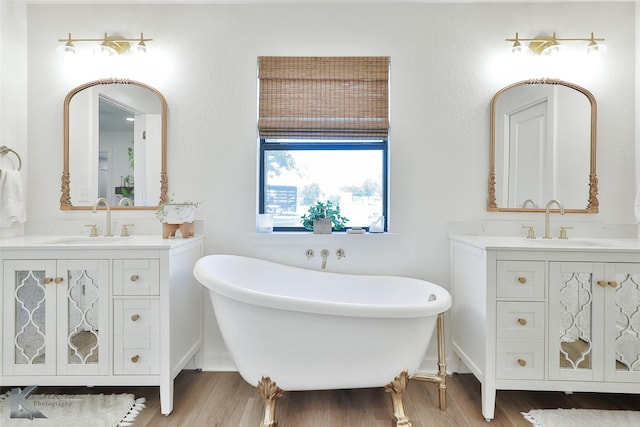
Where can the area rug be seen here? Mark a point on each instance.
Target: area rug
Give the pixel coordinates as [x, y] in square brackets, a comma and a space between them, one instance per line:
[582, 418]
[65, 410]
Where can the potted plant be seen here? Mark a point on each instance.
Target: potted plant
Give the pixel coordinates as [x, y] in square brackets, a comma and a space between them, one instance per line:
[321, 218]
[176, 212]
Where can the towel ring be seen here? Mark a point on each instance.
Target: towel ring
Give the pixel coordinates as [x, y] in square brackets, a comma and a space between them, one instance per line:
[4, 150]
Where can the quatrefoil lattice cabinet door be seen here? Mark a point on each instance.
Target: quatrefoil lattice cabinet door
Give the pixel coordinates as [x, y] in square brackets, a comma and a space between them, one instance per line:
[56, 318]
[594, 321]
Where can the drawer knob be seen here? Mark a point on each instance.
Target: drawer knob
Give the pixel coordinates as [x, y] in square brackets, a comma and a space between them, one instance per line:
[613, 284]
[135, 358]
[602, 283]
[58, 280]
[522, 321]
[522, 280]
[134, 277]
[522, 362]
[135, 317]
[48, 280]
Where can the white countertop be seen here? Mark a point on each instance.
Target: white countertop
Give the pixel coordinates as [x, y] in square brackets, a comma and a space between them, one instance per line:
[101, 242]
[522, 243]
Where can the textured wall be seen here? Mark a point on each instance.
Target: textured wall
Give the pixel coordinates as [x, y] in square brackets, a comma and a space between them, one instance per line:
[447, 62]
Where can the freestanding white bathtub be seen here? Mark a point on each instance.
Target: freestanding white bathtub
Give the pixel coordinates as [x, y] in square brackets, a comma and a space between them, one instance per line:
[315, 330]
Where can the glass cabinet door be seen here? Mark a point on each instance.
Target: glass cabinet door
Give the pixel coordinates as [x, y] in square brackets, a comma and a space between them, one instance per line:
[29, 323]
[56, 319]
[594, 321]
[575, 321]
[623, 322]
[83, 317]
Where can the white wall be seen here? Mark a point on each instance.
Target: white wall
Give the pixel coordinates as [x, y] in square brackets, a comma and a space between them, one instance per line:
[447, 62]
[637, 69]
[13, 92]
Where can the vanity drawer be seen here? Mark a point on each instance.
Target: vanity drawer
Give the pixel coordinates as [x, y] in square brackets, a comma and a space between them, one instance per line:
[136, 317]
[521, 279]
[523, 321]
[136, 356]
[136, 277]
[520, 360]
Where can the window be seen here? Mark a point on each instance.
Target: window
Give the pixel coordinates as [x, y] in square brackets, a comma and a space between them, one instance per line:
[323, 125]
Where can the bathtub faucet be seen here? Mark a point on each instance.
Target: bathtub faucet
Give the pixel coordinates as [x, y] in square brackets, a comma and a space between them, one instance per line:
[324, 254]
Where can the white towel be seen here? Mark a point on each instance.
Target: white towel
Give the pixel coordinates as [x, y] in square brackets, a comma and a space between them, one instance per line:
[12, 206]
[637, 203]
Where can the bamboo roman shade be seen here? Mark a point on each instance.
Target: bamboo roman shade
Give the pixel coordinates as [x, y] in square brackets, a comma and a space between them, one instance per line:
[323, 97]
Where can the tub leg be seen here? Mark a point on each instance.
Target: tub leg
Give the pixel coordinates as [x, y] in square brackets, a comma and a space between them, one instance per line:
[441, 377]
[269, 392]
[396, 388]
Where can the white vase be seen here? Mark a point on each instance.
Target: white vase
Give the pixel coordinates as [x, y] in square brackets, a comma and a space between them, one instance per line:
[322, 226]
[176, 214]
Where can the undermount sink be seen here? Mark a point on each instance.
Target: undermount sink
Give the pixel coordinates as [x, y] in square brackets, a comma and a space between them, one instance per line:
[86, 240]
[587, 243]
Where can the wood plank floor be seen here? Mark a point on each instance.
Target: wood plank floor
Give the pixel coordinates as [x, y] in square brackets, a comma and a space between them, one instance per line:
[223, 399]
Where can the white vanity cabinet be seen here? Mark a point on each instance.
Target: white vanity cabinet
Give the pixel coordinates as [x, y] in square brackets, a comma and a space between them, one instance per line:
[528, 316]
[122, 313]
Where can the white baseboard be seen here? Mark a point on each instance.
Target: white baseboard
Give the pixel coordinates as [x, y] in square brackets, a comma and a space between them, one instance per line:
[218, 362]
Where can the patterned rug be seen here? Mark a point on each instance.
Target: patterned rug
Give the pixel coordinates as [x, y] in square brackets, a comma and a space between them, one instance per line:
[582, 418]
[65, 410]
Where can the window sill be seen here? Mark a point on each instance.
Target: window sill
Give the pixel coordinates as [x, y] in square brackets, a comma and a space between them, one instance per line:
[295, 237]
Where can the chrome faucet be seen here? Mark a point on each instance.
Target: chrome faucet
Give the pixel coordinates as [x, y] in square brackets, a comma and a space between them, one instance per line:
[547, 210]
[106, 204]
[529, 202]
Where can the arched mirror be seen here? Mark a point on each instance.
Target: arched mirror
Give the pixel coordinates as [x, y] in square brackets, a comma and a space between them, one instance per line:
[115, 145]
[543, 147]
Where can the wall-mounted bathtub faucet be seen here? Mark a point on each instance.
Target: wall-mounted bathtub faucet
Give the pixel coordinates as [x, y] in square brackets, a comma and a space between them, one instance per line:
[309, 253]
[340, 253]
[324, 254]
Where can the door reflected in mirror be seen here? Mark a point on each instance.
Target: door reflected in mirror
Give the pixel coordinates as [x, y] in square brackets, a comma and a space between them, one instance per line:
[114, 146]
[543, 135]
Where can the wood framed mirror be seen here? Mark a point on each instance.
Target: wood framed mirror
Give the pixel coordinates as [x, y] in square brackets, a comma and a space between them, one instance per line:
[543, 147]
[115, 146]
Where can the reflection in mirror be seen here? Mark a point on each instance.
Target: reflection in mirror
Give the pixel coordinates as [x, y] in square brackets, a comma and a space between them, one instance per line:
[575, 335]
[543, 147]
[114, 145]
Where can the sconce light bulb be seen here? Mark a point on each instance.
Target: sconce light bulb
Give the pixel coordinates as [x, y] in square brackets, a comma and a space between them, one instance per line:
[104, 50]
[551, 50]
[594, 47]
[67, 49]
[141, 48]
[518, 49]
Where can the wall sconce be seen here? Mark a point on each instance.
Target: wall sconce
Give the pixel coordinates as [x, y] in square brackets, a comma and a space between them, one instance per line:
[108, 45]
[550, 45]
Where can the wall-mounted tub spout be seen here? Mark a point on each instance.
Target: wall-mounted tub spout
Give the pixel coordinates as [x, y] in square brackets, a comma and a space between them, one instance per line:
[324, 254]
